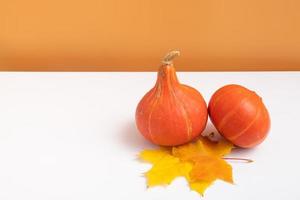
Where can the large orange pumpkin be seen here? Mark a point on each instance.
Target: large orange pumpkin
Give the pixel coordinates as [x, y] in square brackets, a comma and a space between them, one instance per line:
[239, 115]
[171, 113]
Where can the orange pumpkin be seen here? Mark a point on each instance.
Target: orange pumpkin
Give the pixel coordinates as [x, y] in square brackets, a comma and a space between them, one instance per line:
[171, 113]
[239, 115]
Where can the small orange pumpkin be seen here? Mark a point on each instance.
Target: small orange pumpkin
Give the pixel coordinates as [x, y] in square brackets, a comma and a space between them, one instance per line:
[239, 115]
[171, 113]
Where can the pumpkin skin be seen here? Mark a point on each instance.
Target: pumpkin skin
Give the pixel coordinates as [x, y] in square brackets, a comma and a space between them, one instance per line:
[239, 115]
[171, 113]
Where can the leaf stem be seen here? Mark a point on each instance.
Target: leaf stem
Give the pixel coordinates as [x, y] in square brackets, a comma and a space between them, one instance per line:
[238, 159]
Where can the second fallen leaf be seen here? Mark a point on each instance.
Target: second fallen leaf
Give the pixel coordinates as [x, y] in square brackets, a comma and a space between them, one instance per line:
[199, 162]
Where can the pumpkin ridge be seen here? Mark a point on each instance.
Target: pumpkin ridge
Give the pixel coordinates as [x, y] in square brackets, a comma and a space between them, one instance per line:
[258, 111]
[154, 103]
[229, 114]
[185, 114]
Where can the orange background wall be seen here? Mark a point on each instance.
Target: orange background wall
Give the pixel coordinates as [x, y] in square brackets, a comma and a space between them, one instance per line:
[95, 35]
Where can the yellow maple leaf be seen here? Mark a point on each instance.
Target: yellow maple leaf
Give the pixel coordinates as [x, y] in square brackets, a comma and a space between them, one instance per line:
[199, 186]
[202, 147]
[153, 156]
[220, 148]
[165, 167]
[200, 163]
[209, 169]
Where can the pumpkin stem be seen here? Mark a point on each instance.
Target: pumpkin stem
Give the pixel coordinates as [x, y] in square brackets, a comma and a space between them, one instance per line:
[239, 159]
[168, 59]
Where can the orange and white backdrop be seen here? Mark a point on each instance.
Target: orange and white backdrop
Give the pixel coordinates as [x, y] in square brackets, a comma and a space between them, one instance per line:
[133, 35]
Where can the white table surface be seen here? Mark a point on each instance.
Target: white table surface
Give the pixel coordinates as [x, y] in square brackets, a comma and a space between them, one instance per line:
[73, 136]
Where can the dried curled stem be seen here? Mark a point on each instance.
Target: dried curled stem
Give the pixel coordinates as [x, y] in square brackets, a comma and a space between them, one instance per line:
[168, 59]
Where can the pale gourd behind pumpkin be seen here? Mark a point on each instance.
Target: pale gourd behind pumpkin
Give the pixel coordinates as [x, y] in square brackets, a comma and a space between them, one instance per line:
[171, 113]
